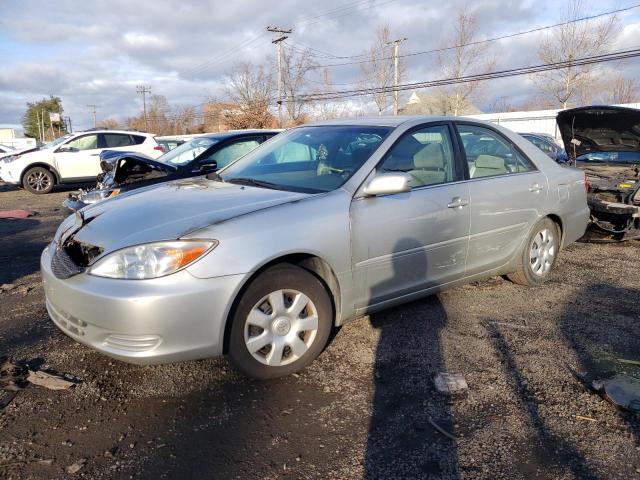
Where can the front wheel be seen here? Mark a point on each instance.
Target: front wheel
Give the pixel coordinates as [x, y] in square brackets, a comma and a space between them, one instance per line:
[539, 254]
[281, 323]
[38, 180]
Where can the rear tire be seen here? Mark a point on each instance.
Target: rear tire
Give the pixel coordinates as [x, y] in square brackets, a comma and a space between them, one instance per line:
[38, 180]
[539, 254]
[281, 324]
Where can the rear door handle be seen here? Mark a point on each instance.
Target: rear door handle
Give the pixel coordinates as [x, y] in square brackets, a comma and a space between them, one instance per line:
[457, 202]
[536, 187]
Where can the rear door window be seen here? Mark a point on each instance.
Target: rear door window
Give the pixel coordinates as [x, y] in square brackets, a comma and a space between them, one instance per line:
[115, 140]
[489, 154]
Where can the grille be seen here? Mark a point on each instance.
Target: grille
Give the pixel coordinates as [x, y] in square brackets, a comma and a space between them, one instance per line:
[62, 266]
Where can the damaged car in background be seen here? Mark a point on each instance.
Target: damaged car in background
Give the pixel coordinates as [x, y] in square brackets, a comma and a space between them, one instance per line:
[604, 141]
[126, 171]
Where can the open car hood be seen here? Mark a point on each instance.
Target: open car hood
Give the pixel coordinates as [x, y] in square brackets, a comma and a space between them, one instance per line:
[599, 129]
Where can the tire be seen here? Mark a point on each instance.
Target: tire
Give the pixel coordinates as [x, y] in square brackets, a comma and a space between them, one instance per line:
[535, 264]
[38, 180]
[288, 341]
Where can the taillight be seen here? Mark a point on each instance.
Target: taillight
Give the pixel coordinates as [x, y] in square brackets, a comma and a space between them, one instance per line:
[159, 148]
[587, 185]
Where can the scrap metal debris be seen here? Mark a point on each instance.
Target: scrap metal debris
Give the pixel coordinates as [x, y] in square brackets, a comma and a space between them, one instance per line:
[442, 430]
[15, 214]
[450, 383]
[621, 390]
[48, 380]
[17, 376]
[75, 467]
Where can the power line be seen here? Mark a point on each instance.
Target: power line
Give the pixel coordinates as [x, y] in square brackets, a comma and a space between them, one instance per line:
[608, 57]
[494, 39]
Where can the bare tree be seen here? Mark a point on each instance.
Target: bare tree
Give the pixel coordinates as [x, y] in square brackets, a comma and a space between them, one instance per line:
[296, 64]
[377, 71]
[328, 109]
[622, 90]
[570, 41]
[461, 61]
[251, 88]
[108, 123]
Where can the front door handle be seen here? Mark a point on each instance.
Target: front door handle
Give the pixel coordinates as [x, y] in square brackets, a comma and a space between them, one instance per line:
[536, 188]
[457, 202]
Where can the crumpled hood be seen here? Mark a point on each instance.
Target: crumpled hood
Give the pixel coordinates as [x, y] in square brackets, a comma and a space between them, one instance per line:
[599, 129]
[167, 211]
[109, 159]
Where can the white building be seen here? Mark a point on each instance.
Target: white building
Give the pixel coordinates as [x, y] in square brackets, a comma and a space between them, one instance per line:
[9, 137]
[537, 121]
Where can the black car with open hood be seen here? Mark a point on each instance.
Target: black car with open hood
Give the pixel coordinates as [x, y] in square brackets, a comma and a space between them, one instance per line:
[604, 141]
[126, 171]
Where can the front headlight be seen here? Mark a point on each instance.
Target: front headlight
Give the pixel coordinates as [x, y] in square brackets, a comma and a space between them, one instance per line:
[151, 260]
[11, 158]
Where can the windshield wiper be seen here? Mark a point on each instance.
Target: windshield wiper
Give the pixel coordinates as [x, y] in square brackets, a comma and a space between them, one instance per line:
[255, 183]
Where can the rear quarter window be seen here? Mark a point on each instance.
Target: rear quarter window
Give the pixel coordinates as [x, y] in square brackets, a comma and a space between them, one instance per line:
[137, 139]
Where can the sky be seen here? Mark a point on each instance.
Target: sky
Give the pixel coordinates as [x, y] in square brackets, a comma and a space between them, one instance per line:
[96, 52]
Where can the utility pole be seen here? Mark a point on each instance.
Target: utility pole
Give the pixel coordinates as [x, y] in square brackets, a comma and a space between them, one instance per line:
[144, 90]
[278, 41]
[396, 73]
[94, 113]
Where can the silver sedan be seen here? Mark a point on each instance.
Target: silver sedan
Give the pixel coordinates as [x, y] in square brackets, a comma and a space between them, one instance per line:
[320, 225]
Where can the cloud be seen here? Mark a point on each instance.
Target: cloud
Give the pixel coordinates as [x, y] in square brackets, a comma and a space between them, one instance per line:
[98, 53]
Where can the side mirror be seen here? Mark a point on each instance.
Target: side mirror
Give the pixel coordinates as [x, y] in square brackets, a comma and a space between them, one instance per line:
[387, 184]
[65, 149]
[208, 165]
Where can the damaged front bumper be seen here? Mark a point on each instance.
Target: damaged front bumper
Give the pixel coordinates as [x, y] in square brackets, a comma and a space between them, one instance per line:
[168, 319]
[615, 212]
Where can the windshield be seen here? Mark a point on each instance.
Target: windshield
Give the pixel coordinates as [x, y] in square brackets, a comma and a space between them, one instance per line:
[307, 159]
[57, 141]
[187, 151]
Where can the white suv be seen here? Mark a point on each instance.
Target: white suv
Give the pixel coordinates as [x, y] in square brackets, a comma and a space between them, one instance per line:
[73, 158]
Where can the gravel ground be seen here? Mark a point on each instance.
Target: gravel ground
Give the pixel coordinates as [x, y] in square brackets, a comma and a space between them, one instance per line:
[364, 408]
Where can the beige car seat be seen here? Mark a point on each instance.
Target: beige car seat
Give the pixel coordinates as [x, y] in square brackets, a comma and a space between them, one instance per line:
[429, 168]
[487, 166]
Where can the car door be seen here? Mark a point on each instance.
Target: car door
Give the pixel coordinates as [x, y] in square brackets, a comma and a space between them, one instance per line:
[409, 242]
[79, 158]
[506, 193]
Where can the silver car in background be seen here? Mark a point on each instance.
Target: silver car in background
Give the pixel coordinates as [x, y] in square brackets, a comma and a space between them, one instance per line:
[322, 224]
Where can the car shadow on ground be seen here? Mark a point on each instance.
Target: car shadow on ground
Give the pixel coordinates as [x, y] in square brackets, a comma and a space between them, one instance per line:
[603, 344]
[546, 449]
[402, 442]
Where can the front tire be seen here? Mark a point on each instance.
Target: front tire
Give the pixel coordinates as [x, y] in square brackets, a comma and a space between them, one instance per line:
[38, 180]
[539, 254]
[281, 323]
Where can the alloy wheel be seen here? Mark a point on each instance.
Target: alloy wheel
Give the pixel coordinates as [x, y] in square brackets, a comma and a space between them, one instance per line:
[39, 181]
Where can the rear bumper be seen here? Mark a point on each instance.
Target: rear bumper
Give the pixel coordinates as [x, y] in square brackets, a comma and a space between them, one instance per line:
[574, 225]
[169, 319]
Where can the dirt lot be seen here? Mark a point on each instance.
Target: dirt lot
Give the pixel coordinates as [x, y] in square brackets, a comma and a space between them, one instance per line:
[363, 410]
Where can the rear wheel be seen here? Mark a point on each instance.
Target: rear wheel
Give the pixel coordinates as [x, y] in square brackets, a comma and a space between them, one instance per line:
[539, 254]
[38, 180]
[281, 323]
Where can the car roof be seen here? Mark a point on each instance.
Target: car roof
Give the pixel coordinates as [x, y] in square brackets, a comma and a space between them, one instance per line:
[108, 130]
[390, 120]
[235, 133]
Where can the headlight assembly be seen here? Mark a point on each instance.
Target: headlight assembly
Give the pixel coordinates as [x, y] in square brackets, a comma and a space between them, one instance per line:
[151, 260]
